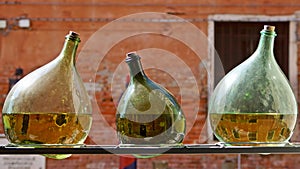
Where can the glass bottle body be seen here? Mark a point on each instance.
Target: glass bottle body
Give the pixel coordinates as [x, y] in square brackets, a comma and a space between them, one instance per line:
[49, 106]
[254, 103]
[147, 113]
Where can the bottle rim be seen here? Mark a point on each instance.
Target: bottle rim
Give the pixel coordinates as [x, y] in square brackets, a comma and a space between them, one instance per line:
[74, 36]
[131, 56]
[268, 30]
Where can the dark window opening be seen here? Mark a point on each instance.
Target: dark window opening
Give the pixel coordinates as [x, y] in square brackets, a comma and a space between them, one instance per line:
[236, 41]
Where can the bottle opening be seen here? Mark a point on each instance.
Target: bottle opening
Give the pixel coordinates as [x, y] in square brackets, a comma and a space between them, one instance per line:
[72, 33]
[73, 36]
[132, 56]
[269, 28]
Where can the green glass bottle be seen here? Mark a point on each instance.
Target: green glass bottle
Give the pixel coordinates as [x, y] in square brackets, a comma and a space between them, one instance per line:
[147, 113]
[50, 106]
[254, 103]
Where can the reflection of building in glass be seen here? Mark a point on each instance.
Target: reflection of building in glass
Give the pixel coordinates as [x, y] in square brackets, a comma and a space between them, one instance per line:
[146, 125]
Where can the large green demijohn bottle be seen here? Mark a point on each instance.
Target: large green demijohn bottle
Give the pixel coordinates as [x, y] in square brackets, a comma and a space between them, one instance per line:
[254, 103]
[147, 113]
[50, 106]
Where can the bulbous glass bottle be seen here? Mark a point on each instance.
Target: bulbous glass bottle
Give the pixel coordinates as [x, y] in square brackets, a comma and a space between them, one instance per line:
[49, 106]
[254, 103]
[147, 113]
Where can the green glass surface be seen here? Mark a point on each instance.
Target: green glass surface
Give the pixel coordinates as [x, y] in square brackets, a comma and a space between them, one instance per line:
[256, 89]
[50, 105]
[147, 113]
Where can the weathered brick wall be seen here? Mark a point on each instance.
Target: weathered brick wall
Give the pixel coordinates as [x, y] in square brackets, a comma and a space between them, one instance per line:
[51, 20]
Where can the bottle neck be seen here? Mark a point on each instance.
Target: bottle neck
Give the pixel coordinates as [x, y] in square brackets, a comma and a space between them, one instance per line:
[69, 49]
[135, 66]
[266, 42]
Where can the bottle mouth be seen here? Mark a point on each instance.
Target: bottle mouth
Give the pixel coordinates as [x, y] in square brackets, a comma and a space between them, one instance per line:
[73, 36]
[269, 30]
[132, 56]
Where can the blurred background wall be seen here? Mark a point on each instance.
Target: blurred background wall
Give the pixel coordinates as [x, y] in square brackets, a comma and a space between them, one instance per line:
[231, 26]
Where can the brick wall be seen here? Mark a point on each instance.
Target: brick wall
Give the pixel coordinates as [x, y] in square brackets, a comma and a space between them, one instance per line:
[51, 20]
